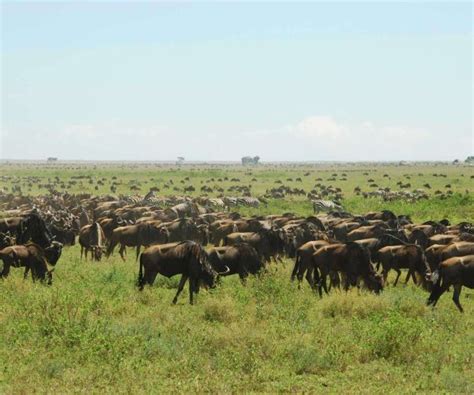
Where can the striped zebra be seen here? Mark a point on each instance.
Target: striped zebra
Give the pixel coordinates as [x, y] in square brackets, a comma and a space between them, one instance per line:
[325, 205]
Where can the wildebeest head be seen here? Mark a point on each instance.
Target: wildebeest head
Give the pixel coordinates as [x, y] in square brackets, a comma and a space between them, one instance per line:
[6, 240]
[53, 252]
[34, 228]
[204, 233]
[200, 264]
[374, 282]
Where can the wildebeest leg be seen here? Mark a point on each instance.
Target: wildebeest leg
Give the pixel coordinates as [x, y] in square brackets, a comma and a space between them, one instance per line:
[243, 274]
[309, 277]
[193, 288]
[183, 280]
[347, 282]
[25, 274]
[323, 284]
[6, 269]
[82, 251]
[335, 280]
[398, 275]
[138, 251]
[456, 293]
[295, 268]
[122, 251]
[410, 274]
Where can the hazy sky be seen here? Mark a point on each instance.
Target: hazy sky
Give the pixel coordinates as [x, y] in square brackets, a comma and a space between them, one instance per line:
[286, 81]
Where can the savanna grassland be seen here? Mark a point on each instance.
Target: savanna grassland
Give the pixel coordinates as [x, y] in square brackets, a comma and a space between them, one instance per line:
[92, 331]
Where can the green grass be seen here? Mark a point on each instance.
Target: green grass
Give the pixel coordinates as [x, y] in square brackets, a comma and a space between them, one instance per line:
[459, 207]
[93, 331]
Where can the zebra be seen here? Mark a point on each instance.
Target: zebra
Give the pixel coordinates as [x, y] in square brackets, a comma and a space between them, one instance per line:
[248, 201]
[326, 205]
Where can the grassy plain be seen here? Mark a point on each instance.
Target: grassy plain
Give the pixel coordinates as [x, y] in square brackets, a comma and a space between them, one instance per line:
[92, 331]
[458, 207]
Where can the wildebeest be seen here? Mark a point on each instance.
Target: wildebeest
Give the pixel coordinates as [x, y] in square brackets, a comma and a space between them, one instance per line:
[92, 238]
[241, 259]
[350, 259]
[304, 258]
[406, 256]
[135, 236]
[458, 272]
[268, 242]
[33, 228]
[65, 236]
[438, 252]
[186, 258]
[32, 257]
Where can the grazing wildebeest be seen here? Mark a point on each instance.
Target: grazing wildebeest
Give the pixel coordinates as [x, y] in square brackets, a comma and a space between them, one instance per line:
[241, 259]
[458, 272]
[350, 259]
[186, 258]
[92, 238]
[32, 257]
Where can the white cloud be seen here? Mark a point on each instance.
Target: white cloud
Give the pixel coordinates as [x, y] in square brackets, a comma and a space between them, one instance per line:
[313, 138]
[320, 126]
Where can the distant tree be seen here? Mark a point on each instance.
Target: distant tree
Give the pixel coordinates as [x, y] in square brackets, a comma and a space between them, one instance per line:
[248, 160]
[180, 160]
[456, 162]
[469, 159]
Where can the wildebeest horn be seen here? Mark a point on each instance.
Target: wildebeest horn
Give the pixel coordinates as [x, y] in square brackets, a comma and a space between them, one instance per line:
[226, 271]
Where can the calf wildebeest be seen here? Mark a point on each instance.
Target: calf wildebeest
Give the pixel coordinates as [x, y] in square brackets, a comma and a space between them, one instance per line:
[458, 272]
[92, 238]
[32, 257]
[241, 259]
[186, 258]
[350, 259]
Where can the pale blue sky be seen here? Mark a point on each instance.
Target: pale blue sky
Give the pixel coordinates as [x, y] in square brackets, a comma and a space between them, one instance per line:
[209, 81]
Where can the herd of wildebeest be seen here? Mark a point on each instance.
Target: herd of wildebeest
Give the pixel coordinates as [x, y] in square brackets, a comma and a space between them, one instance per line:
[204, 241]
